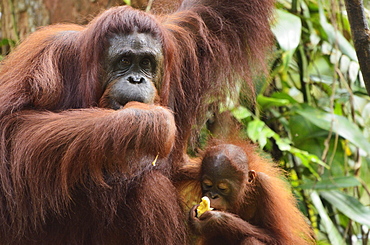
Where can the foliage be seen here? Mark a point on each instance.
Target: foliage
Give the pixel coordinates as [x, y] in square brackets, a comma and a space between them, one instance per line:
[314, 118]
[127, 2]
[4, 44]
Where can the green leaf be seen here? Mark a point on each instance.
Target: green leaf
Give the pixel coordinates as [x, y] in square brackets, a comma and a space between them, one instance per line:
[267, 102]
[127, 2]
[335, 37]
[354, 69]
[303, 130]
[265, 134]
[254, 129]
[349, 206]
[332, 232]
[4, 42]
[287, 30]
[306, 160]
[284, 144]
[331, 183]
[339, 124]
[308, 156]
[241, 112]
[284, 96]
[258, 132]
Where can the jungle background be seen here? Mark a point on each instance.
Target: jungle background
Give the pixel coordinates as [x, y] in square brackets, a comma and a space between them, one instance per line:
[312, 114]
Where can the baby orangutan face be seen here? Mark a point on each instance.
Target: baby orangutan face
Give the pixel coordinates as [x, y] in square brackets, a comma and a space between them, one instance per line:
[221, 180]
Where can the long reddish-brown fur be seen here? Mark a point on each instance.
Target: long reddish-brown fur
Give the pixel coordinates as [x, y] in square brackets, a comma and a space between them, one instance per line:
[73, 173]
[277, 210]
[77, 167]
[219, 45]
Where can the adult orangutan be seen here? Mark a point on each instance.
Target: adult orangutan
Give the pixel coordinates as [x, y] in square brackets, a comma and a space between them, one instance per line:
[250, 201]
[88, 142]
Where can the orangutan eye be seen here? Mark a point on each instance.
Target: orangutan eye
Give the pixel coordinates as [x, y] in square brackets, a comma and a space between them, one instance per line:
[223, 187]
[145, 62]
[207, 183]
[126, 61]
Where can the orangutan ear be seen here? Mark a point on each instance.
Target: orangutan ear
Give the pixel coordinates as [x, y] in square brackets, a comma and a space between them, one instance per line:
[251, 176]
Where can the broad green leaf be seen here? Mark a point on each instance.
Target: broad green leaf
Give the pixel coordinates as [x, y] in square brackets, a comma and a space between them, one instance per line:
[321, 70]
[366, 115]
[264, 135]
[284, 96]
[284, 144]
[349, 206]
[331, 183]
[339, 124]
[344, 64]
[259, 132]
[330, 228]
[354, 69]
[303, 130]
[308, 156]
[306, 160]
[287, 30]
[335, 37]
[267, 102]
[241, 112]
[360, 102]
[254, 129]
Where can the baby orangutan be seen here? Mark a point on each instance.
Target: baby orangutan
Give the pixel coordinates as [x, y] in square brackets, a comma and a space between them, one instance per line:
[251, 202]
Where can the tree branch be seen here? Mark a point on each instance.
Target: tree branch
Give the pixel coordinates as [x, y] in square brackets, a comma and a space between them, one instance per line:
[361, 37]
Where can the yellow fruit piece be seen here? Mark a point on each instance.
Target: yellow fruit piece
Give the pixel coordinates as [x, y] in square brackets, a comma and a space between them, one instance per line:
[155, 160]
[204, 206]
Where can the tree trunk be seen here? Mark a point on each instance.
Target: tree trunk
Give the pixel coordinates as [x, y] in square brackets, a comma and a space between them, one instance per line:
[361, 37]
[21, 17]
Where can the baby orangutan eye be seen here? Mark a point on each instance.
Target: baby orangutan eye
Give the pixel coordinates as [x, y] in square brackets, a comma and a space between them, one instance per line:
[207, 183]
[223, 187]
